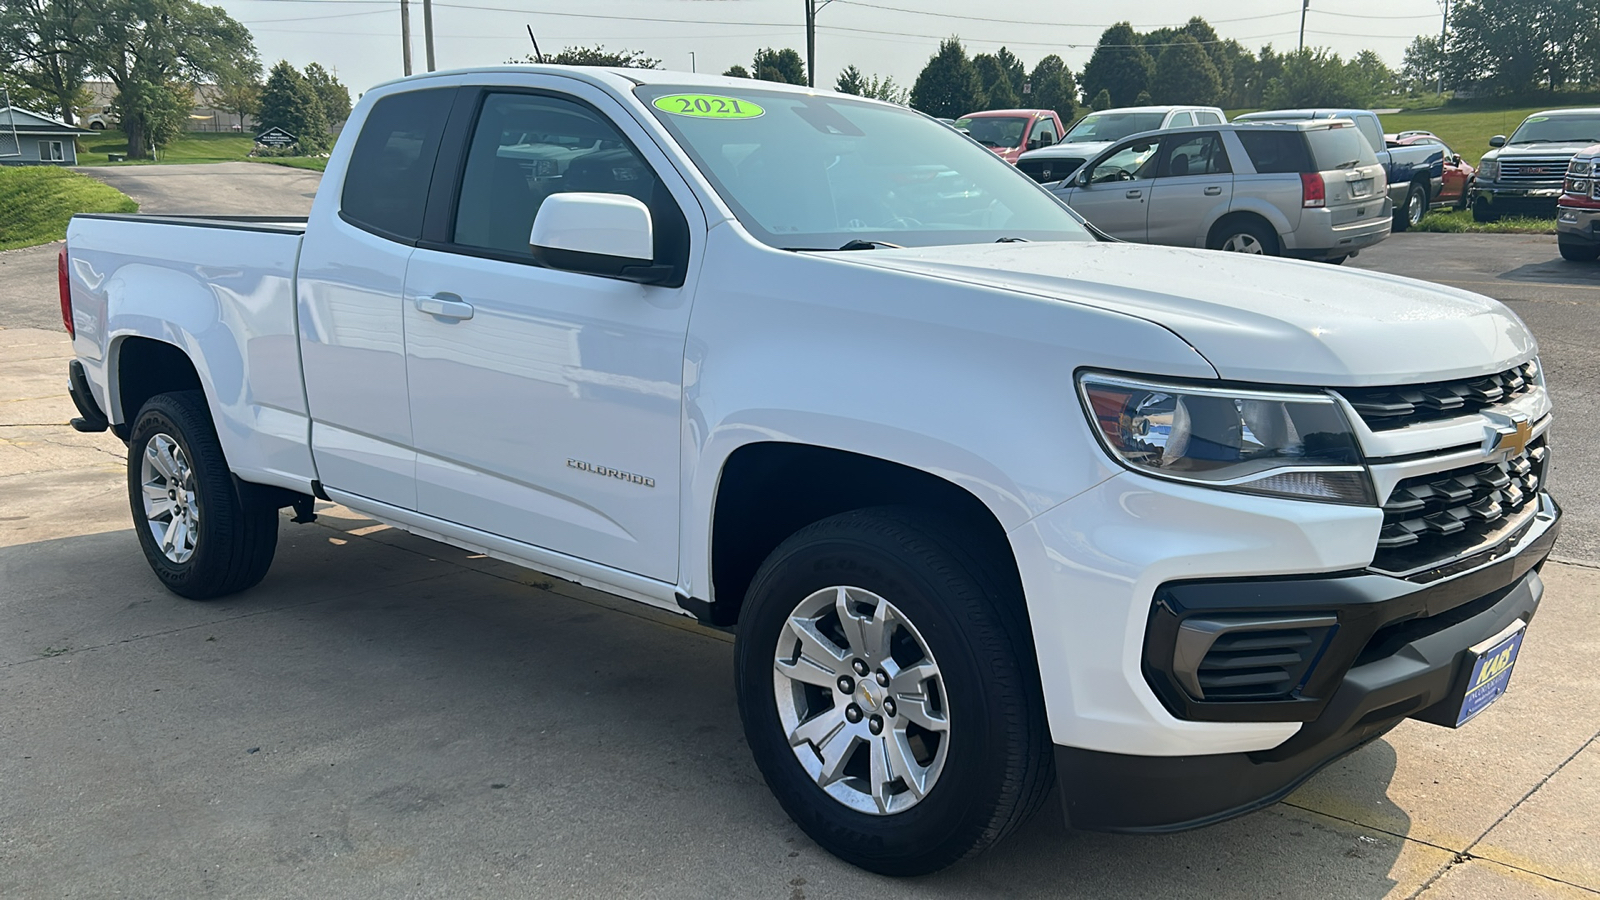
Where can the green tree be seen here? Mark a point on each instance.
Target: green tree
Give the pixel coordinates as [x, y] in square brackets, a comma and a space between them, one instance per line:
[1508, 46]
[1052, 87]
[1313, 76]
[1143, 99]
[736, 71]
[998, 91]
[1218, 50]
[783, 66]
[42, 52]
[887, 90]
[1371, 77]
[1422, 68]
[948, 86]
[597, 55]
[1120, 66]
[160, 108]
[1246, 90]
[1101, 100]
[1015, 70]
[1185, 74]
[290, 102]
[333, 96]
[241, 96]
[145, 47]
[851, 81]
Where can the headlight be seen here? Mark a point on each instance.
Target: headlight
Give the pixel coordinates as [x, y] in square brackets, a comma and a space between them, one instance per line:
[1489, 169]
[1257, 442]
[1581, 167]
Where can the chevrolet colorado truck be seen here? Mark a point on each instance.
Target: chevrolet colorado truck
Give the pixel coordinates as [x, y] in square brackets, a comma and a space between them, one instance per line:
[991, 503]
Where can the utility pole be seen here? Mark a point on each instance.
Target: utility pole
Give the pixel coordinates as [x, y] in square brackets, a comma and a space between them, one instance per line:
[1304, 5]
[1444, 33]
[405, 34]
[427, 30]
[811, 43]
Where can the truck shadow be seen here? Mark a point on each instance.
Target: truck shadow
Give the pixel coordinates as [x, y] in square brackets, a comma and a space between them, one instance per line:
[384, 708]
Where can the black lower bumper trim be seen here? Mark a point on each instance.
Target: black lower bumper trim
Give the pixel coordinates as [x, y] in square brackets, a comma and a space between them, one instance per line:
[91, 419]
[1417, 678]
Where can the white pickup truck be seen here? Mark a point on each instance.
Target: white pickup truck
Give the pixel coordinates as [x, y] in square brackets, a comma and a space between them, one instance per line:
[989, 500]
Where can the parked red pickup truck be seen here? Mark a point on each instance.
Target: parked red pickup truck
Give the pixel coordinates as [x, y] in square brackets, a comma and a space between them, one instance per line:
[1010, 132]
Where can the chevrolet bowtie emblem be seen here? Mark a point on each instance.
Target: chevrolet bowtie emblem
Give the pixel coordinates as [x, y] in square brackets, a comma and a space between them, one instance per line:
[1512, 438]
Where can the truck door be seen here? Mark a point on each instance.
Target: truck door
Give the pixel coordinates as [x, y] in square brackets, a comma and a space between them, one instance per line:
[546, 405]
[350, 276]
[1193, 187]
[1116, 197]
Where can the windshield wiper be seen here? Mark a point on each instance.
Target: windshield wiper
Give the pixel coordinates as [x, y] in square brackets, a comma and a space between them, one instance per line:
[1010, 240]
[859, 244]
[1348, 165]
[1534, 141]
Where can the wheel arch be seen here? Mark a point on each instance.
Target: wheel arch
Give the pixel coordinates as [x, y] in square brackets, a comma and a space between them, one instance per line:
[768, 490]
[142, 367]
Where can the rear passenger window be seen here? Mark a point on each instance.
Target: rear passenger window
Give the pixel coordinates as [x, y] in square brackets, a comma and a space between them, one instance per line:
[1207, 118]
[528, 146]
[386, 183]
[1198, 154]
[1181, 120]
[1276, 152]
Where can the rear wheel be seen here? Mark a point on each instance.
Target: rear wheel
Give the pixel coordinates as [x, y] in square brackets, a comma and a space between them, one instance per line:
[888, 691]
[201, 537]
[1580, 252]
[1416, 206]
[1251, 236]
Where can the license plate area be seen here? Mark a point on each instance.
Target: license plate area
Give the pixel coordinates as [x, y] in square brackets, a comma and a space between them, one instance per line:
[1488, 667]
[1361, 188]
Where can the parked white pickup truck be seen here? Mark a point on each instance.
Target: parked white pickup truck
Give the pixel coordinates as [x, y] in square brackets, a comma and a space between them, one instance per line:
[988, 500]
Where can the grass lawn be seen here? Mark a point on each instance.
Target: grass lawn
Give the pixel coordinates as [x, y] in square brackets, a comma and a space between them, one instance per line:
[37, 201]
[1460, 222]
[315, 163]
[189, 147]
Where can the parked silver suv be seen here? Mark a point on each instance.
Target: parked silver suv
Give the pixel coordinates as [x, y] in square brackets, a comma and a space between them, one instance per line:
[1306, 189]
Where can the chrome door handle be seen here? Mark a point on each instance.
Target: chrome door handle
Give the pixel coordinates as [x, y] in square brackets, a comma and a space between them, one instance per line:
[1134, 195]
[1213, 191]
[445, 306]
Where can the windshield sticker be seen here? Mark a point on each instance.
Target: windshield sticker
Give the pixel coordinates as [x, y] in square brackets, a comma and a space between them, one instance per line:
[708, 106]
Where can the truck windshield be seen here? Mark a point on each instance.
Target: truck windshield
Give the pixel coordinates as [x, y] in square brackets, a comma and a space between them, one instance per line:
[1113, 126]
[1558, 130]
[820, 172]
[994, 131]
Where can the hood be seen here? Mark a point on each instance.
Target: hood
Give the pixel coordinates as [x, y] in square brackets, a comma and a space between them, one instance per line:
[1254, 319]
[1082, 149]
[1559, 148]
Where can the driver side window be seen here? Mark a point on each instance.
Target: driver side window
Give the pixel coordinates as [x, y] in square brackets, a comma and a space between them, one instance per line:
[1130, 162]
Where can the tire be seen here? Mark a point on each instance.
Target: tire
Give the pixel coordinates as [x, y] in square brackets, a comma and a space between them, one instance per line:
[1247, 235]
[97, 126]
[1481, 213]
[1411, 214]
[1580, 252]
[989, 768]
[179, 487]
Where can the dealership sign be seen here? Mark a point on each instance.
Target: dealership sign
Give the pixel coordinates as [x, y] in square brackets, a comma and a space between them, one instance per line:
[275, 137]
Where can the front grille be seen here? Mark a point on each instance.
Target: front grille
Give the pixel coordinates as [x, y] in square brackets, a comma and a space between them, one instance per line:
[1431, 519]
[1396, 407]
[1534, 170]
[1050, 169]
[1259, 665]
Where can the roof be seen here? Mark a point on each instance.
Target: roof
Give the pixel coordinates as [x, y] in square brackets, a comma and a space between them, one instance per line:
[1004, 112]
[1152, 109]
[1573, 111]
[619, 78]
[29, 122]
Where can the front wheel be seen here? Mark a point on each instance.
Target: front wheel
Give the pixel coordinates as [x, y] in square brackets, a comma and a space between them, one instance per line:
[1416, 206]
[888, 691]
[202, 538]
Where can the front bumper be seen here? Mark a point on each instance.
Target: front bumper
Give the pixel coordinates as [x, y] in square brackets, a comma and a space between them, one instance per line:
[1578, 225]
[1536, 200]
[1398, 651]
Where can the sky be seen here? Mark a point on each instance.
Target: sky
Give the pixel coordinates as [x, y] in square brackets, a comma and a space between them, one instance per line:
[360, 39]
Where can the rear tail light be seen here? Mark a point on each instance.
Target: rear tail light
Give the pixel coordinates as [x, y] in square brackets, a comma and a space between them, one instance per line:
[1313, 193]
[65, 283]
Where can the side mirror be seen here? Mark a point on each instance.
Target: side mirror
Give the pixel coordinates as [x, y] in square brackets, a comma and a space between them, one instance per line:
[1498, 140]
[609, 235]
[1455, 159]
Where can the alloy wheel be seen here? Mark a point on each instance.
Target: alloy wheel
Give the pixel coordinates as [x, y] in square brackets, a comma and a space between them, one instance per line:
[861, 700]
[1243, 243]
[171, 510]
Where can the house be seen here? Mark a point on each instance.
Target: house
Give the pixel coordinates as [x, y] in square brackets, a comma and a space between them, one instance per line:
[31, 139]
